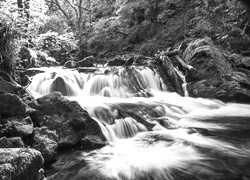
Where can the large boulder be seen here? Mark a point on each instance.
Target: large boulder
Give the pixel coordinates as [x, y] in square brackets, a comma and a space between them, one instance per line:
[16, 126]
[214, 76]
[45, 141]
[70, 121]
[20, 164]
[61, 85]
[11, 105]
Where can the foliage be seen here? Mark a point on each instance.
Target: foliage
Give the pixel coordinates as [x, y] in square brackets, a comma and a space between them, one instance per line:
[52, 42]
[16, 29]
[26, 27]
[54, 23]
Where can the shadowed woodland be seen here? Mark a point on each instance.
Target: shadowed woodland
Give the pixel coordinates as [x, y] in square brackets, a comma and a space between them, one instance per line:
[124, 89]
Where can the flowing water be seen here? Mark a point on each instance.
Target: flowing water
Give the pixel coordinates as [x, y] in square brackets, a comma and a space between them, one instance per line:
[152, 134]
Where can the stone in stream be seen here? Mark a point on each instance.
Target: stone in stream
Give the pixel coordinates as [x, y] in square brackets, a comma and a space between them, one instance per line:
[70, 121]
[86, 62]
[60, 85]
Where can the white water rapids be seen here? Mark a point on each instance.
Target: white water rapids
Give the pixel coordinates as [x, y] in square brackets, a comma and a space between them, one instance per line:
[153, 134]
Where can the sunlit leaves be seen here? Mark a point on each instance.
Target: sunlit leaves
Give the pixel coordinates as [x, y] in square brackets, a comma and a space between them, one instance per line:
[26, 26]
[52, 41]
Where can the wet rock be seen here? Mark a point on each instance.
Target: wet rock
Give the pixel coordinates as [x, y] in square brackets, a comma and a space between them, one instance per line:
[129, 61]
[7, 87]
[20, 163]
[246, 61]
[104, 115]
[15, 142]
[86, 62]
[92, 142]
[70, 64]
[45, 141]
[16, 127]
[214, 76]
[70, 121]
[67, 166]
[60, 85]
[169, 75]
[116, 62]
[141, 60]
[11, 105]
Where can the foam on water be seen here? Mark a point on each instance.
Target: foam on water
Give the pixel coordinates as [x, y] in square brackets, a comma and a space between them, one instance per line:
[154, 134]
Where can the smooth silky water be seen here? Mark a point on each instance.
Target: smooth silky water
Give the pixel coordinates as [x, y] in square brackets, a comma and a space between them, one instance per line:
[152, 134]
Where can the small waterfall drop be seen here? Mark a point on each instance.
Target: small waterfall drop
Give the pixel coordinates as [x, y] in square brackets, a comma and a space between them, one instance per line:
[184, 84]
[125, 82]
[153, 134]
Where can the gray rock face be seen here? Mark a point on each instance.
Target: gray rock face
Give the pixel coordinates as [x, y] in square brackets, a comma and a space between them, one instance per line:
[45, 141]
[20, 163]
[11, 105]
[214, 76]
[86, 62]
[116, 62]
[70, 121]
[15, 142]
[7, 87]
[16, 127]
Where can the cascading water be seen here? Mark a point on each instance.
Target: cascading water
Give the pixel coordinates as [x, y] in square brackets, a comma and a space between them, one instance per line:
[153, 134]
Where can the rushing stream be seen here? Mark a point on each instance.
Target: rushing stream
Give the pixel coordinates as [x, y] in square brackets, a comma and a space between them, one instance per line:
[152, 134]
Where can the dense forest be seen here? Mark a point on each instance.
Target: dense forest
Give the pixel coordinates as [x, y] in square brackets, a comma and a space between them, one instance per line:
[124, 89]
[62, 30]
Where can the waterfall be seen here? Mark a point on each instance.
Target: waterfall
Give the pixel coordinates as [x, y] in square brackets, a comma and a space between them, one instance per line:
[125, 82]
[154, 134]
[184, 84]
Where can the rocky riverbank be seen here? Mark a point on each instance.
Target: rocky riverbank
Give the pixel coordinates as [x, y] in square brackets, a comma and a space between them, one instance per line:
[33, 131]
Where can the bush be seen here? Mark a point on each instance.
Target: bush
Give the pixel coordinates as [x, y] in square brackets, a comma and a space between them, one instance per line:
[56, 45]
[149, 48]
[55, 24]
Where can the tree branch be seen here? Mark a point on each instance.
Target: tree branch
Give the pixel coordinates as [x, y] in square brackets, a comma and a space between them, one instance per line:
[189, 67]
[59, 6]
[74, 8]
